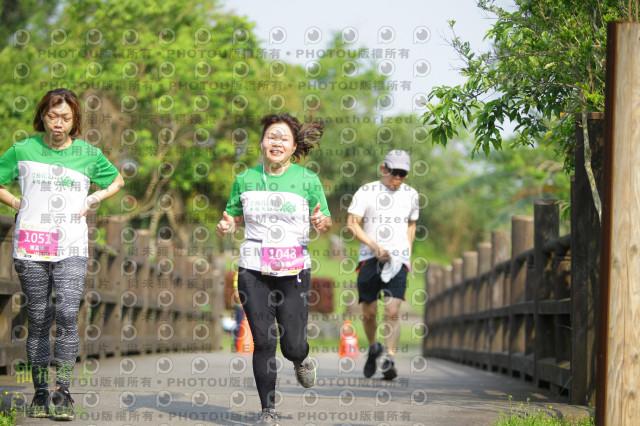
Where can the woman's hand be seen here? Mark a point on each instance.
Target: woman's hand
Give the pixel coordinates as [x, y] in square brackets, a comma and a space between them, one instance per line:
[89, 202]
[95, 198]
[321, 222]
[226, 225]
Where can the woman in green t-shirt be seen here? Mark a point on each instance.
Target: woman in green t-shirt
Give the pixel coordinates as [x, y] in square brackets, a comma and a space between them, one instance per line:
[278, 201]
[50, 239]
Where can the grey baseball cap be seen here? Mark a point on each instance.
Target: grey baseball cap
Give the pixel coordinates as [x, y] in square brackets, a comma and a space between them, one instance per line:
[397, 159]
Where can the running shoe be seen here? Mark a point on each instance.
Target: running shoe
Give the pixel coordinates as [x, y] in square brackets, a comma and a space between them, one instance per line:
[306, 373]
[268, 417]
[40, 404]
[61, 405]
[388, 368]
[374, 352]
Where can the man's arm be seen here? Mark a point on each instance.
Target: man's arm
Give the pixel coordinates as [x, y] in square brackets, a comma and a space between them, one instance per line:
[353, 226]
[411, 233]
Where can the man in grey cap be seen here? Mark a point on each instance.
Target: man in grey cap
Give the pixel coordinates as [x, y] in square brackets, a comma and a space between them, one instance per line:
[382, 216]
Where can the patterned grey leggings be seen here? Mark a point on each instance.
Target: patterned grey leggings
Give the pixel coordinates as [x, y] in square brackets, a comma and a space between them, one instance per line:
[37, 279]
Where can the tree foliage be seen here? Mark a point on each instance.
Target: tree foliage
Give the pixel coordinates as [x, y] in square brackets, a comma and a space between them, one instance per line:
[172, 93]
[157, 80]
[546, 63]
[18, 16]
[470, 198]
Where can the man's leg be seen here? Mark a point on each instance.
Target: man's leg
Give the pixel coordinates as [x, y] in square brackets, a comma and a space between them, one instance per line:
[391, 314]
[392, 335]
[369, 321]
[394, 292]
[368, 289]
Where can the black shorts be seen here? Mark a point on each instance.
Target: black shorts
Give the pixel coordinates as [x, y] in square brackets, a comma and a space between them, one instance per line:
[371, 286]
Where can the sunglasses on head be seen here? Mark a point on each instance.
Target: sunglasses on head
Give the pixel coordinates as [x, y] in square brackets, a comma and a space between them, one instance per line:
[397, 172]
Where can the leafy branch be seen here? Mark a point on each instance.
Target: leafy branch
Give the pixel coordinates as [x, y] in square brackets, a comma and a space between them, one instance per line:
[546, 64]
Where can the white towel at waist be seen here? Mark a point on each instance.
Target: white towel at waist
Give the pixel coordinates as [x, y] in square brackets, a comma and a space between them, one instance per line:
[391, 269]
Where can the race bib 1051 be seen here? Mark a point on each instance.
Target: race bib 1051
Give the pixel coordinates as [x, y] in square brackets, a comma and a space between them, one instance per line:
[37, 243]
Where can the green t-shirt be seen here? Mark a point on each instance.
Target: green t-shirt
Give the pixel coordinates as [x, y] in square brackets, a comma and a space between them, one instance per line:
[277, 212]
[54, 185]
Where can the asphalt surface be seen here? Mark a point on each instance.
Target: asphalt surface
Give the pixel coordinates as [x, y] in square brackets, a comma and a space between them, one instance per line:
[219, 389]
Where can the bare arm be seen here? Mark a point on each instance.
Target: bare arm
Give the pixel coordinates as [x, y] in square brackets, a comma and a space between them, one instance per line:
[9, 199]
[102, 194]
[353, 226]
[411, 232]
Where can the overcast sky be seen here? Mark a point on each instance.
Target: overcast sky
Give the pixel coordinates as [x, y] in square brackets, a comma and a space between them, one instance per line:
[408, 34]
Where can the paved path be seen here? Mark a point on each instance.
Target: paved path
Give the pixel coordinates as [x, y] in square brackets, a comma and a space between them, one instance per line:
[218, 389]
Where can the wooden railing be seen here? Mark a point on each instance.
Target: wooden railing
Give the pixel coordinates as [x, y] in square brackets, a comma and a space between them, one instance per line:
[525, 304]
[140, 296]
[507, 313]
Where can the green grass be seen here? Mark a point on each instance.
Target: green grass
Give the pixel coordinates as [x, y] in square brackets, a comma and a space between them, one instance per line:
[525, 415]
[10, 416]
[7, 419]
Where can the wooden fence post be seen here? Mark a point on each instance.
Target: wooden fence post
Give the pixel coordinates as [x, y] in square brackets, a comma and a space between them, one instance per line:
[522, 240]
[484, 265]
[111, 307]
[430, 286]
[546, 227]
[500, 245]
[447, 280]
[164, 275]
[13, 312]
[456, 280]
[143, 245]
[433, 308]
[618, 355]
[443, 303]
[585, 263]
[469, 272]
[481, 344]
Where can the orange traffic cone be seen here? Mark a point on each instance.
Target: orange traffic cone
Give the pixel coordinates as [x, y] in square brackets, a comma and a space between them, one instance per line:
[348, 341]
[244, 344]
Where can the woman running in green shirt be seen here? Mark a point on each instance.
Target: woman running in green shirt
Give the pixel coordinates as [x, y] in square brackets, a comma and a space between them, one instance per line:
[278, 202]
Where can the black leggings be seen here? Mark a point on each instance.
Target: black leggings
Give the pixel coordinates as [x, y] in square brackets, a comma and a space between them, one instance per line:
[66, 277]
[266, 299]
